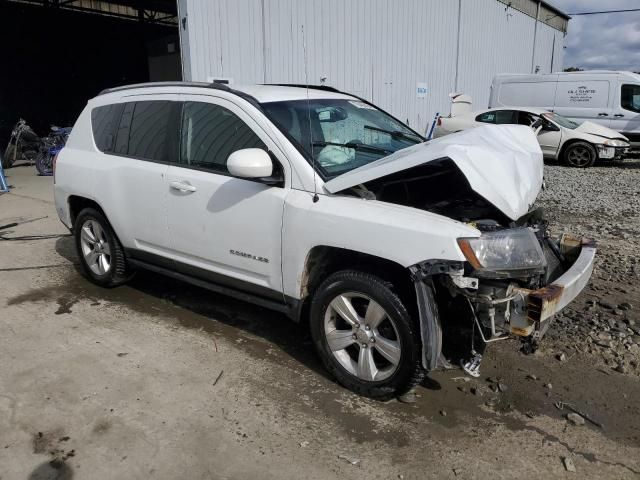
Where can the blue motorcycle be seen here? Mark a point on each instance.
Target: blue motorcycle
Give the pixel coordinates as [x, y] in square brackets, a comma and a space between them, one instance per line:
[51, 146]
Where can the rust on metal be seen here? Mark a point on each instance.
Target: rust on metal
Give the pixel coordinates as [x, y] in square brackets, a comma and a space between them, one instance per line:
[541, 299]
[522, 332]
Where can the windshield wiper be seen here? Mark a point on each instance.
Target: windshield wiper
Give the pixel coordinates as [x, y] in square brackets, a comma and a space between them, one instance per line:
[396, 133]
[354, 145]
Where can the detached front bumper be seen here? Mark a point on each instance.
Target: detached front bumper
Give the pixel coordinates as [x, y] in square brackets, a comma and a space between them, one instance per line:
[536, 307]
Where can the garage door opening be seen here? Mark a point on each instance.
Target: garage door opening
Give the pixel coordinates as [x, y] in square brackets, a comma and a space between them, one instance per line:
[56, 54]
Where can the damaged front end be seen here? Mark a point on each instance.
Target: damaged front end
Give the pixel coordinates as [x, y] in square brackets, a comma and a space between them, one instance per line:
[514, 280]
[516, 276]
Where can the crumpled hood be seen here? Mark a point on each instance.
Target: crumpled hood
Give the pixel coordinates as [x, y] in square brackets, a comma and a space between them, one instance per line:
[599, 130]
[503, 164]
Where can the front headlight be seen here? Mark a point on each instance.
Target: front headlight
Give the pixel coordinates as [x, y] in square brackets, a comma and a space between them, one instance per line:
[515, 249]
[616, 143]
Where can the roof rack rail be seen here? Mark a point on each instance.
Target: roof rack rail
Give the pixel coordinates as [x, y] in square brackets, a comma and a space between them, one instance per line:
[326, 88]
[215, 85]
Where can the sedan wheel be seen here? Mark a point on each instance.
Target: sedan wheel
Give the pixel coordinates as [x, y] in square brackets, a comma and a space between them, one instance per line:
[580, 155]
[362, 337]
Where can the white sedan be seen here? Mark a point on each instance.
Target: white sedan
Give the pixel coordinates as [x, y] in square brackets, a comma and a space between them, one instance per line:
[577, 145]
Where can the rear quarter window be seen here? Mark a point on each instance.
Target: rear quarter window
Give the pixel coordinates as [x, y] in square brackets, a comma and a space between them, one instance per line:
[104, 122]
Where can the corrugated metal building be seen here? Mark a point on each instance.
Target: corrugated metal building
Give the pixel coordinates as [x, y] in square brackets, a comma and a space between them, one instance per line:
[404, 55]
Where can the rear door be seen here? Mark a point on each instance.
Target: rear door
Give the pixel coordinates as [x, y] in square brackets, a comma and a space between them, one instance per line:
[225, 229]
[626, 115]
[134, 179]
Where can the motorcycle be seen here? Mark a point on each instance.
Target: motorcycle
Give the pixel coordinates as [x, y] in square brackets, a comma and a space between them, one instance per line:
[51, 146]
[24, 143]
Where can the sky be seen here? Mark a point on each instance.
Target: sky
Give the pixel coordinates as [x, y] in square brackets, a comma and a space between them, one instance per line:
[608, 41]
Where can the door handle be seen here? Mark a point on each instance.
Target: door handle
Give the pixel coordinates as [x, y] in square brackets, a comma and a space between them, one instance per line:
[619, 115]
[183, 187]
[603, 114]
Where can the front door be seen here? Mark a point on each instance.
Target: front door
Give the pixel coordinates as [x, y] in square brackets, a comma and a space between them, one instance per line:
[626, 116]
[549, 138]
[222, 228]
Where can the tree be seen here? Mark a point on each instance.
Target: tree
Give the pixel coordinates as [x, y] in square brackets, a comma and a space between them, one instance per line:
[574, 69]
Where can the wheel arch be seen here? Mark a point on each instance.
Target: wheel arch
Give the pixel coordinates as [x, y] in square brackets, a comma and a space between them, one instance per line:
[571, 141]
[323, 260]
[78, 203]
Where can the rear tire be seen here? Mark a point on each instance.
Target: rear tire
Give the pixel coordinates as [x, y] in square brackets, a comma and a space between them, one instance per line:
[44, 164]
[580, 155]
[365, 336]
[101, 254]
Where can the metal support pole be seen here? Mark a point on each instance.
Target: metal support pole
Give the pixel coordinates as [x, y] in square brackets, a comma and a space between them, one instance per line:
[535, 35]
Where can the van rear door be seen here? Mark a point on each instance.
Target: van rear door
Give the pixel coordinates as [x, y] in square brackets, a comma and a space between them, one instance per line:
[585, 98]
[524, 91]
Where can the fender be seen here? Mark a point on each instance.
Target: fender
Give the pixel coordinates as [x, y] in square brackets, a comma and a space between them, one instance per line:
[429, 316]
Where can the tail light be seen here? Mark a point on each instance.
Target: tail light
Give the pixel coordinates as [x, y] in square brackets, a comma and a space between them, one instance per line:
[439, 122]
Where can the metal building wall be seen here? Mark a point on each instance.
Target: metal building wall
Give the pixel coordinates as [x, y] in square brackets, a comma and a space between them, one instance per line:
[378, 49]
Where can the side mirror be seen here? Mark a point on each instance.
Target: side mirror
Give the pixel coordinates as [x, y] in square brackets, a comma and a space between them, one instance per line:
[250, 163]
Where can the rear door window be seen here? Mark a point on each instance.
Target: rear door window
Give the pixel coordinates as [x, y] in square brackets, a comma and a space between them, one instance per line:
[630, 97]
[487, 117]
[152, 135]
[210, 133]
[501, 117]
[104, 122]
[149, 131]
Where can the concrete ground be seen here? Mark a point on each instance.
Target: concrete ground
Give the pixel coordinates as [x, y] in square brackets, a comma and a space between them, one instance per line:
[159, 379]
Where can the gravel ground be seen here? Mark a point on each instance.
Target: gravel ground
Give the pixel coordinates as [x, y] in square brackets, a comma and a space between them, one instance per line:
[602, 203]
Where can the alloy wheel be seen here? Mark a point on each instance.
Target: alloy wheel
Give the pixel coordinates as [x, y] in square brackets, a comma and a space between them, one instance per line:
[95, 247]
[362, 337]
[579, 156]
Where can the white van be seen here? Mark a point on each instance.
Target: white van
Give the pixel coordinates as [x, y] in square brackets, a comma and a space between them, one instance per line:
[609, 98]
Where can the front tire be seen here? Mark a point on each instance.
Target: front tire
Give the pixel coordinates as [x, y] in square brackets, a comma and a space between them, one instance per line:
[365, 336]
[101, 254]
[580, 155]
[7, 158]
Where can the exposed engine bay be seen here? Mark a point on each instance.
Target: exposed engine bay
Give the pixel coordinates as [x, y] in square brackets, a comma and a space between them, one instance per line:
[496, 301]
[438, 186]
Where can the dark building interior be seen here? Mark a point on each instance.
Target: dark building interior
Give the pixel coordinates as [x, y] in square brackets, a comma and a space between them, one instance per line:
[56, 54]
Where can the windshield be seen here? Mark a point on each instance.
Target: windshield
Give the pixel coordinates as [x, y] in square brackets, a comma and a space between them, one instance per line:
[340, 135]
[560, 120]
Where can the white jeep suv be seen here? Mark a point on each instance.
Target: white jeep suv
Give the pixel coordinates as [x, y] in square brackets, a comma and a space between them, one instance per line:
[397, 252]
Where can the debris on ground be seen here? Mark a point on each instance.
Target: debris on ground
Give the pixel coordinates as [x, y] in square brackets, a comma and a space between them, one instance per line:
[561, 405]
[218, 378]
[409, 397]
[304, 444]
[568, 464]
[575, 419]
[562, 357]
[351, 460]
